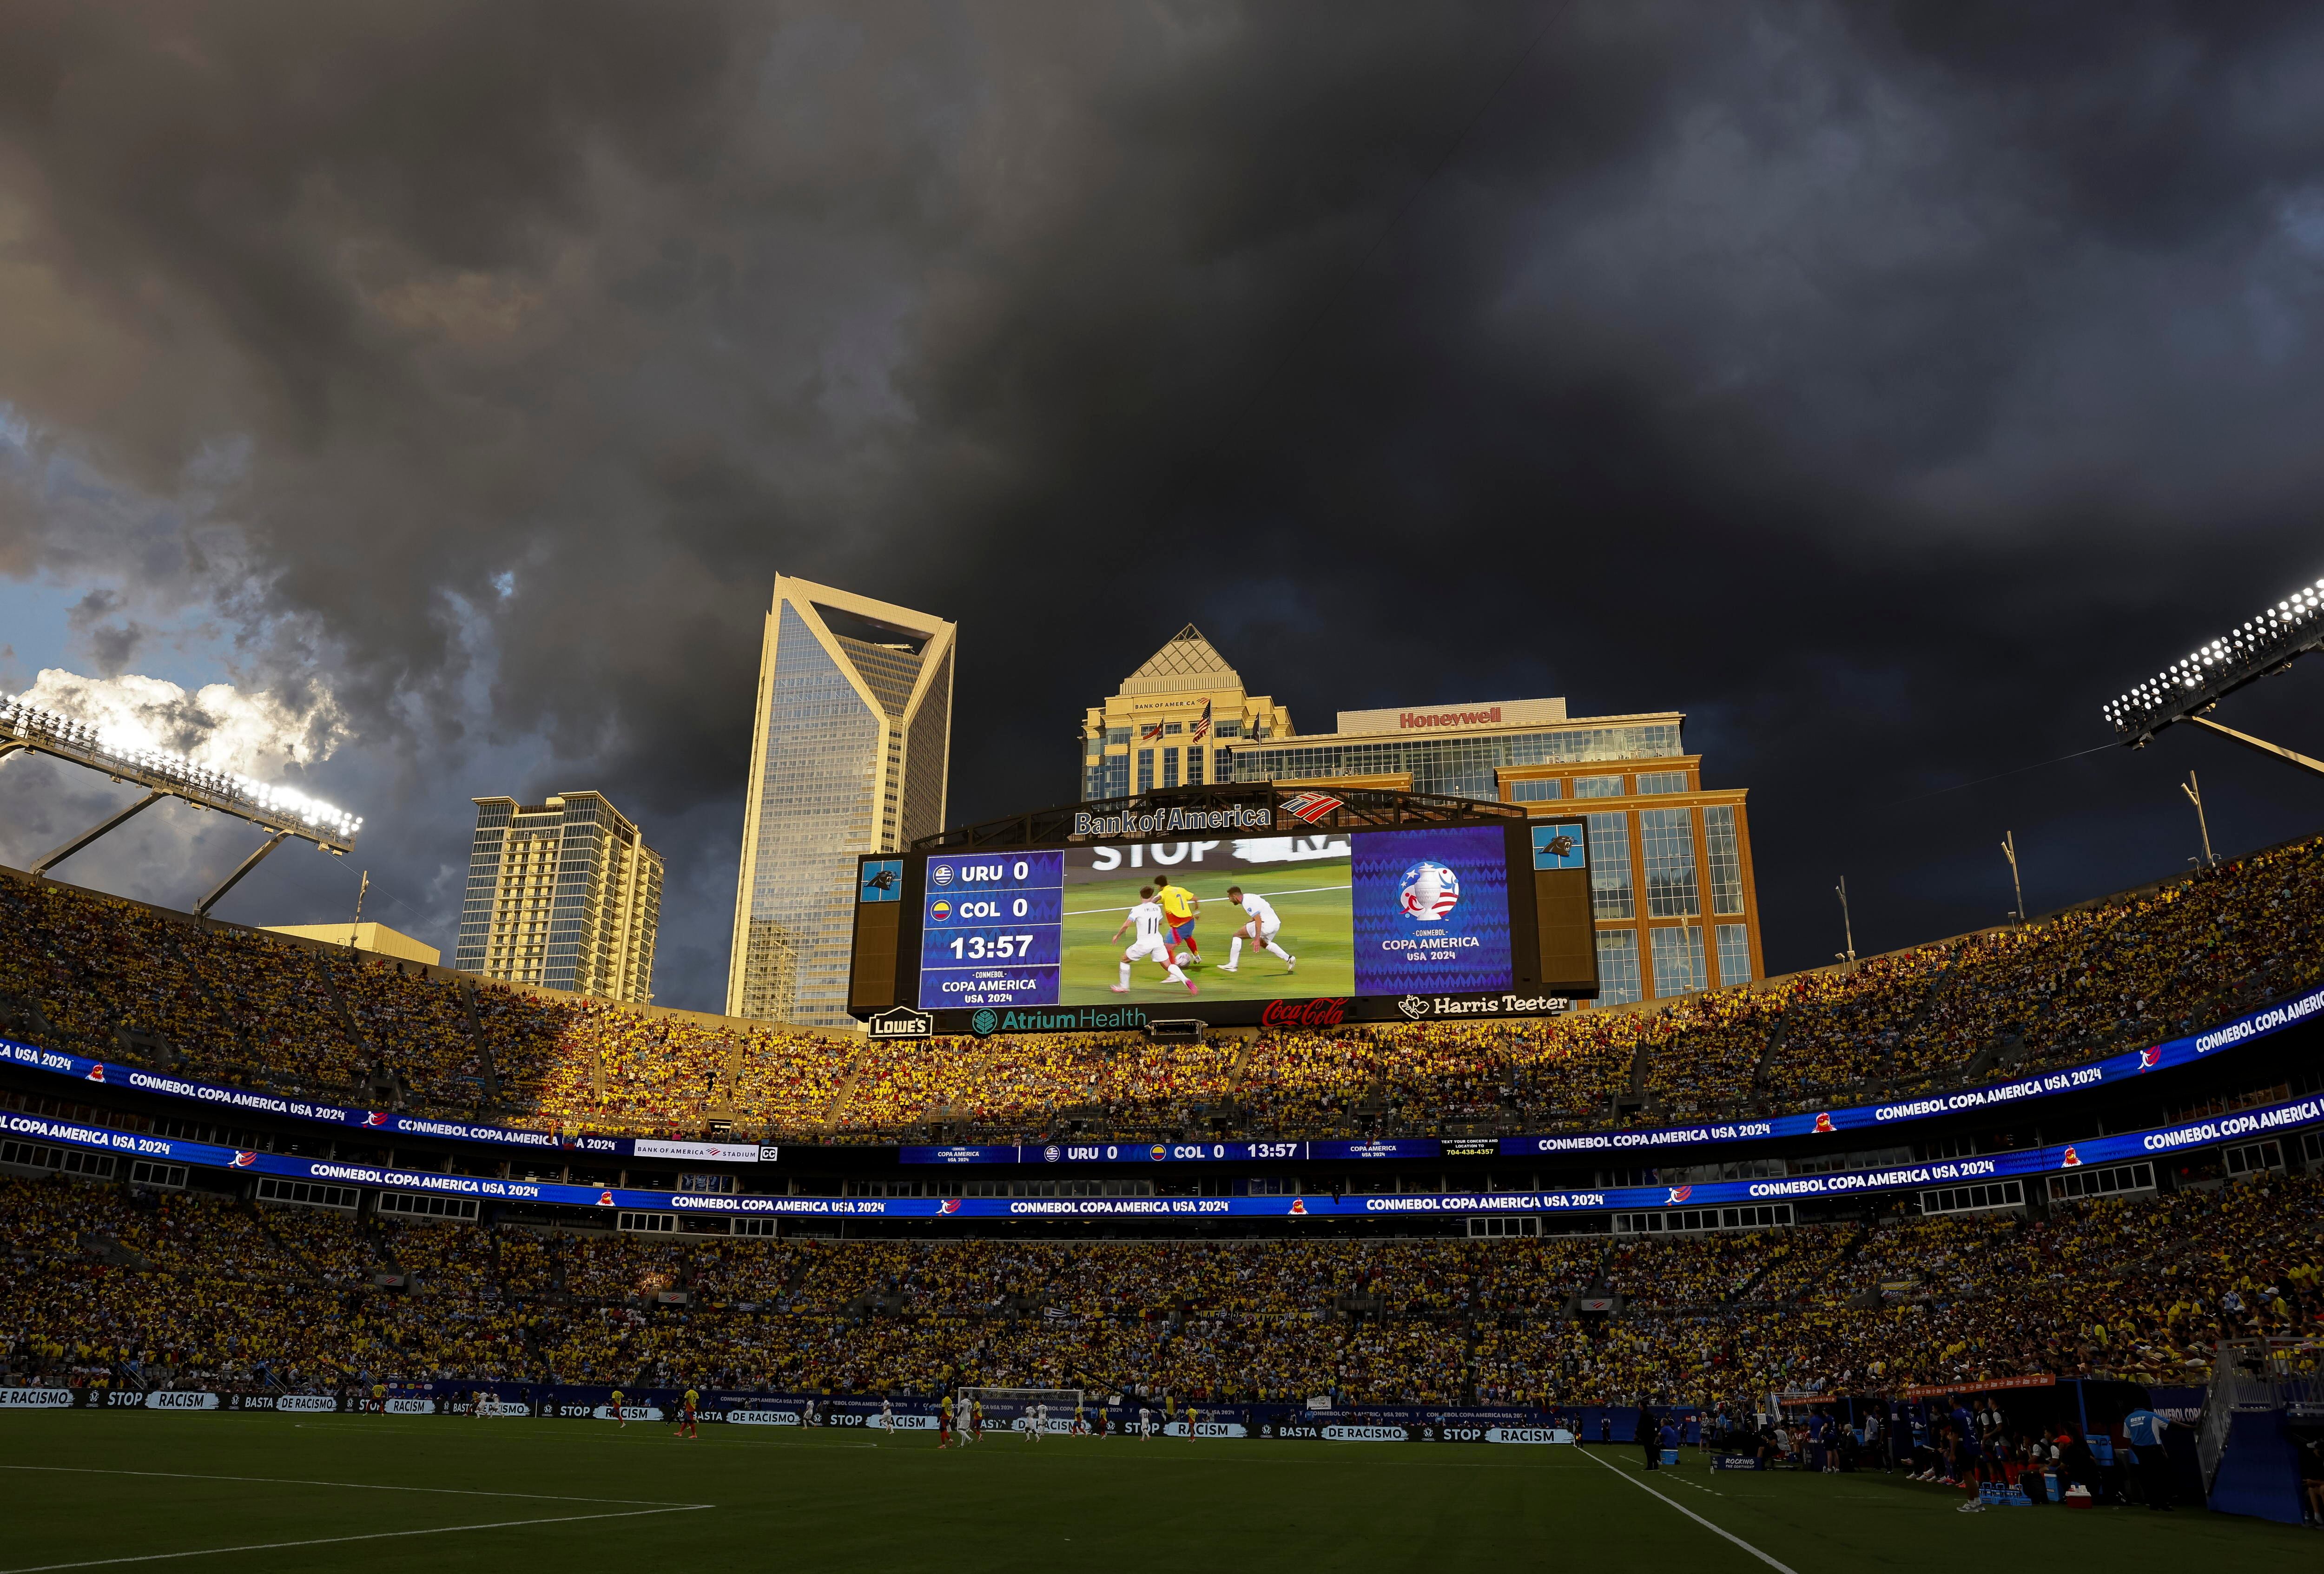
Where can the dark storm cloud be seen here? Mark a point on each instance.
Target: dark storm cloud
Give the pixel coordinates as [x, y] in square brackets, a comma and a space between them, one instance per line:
[1883, 386]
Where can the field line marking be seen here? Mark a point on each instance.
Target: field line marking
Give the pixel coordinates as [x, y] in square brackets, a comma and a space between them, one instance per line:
[333, 1541]
[1674, 1503]
[351, 1486]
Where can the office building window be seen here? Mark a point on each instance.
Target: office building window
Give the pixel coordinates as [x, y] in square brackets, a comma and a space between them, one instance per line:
[1117, 734]
[1146, 770]
[1229, 729]
[1662, 781]
[1667, 840]
[1597, 787]
[1169, 767]
[1117, 777]
[1533, 792]
[1609, 867]
[1734, 954]
[1194, 765]
[1172, 729]
[1617, 966]
[1678, 961]
[1724, 852]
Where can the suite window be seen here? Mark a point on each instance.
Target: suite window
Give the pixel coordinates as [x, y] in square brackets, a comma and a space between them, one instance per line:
[1666, 838]
[1610, 894]
[1617, 966]
[1734, 954]
[1678, 961]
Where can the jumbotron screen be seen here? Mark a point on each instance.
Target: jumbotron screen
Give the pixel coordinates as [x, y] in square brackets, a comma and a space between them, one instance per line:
[1312, 924]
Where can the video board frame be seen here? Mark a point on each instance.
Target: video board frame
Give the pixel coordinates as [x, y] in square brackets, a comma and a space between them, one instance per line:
[1016, 895]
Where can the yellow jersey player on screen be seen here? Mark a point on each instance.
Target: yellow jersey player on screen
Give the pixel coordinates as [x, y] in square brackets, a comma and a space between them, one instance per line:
[1149, 922]
[1179, 906]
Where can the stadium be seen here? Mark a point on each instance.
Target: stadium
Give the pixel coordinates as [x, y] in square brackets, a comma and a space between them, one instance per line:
[626, 939]
[1916, 1218]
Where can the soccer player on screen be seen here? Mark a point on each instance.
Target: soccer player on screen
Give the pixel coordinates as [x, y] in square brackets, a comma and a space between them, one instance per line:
[1147, 918]
[1179, 906]
[1260, 927]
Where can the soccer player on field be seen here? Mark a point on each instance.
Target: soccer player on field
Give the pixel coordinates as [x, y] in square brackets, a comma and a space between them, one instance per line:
[1145, 1420]
[1261, 928]
[1147, 918]
[1179, 906]
[621, 1421]
[976, 1418]
[1081, 1423]
[887, 1417]
[944, 1423]
[686, 1423]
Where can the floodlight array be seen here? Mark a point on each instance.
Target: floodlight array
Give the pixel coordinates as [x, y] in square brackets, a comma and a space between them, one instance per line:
[2257, 647]
[133, 759]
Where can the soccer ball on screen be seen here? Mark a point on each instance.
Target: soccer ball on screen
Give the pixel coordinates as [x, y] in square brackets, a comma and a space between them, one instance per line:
[1184, 957]
[1431, 890]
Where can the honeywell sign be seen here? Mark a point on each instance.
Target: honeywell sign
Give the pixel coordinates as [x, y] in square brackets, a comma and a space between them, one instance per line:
[1452, 718]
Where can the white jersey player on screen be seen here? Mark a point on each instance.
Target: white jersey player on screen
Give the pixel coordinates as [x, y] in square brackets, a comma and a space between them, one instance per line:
[1261, 926]
[1153, 941]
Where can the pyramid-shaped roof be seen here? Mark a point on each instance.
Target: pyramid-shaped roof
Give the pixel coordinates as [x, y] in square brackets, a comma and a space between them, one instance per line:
[1187, 661]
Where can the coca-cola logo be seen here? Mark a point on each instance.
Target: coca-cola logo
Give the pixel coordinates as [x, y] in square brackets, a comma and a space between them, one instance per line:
[1317, 1013]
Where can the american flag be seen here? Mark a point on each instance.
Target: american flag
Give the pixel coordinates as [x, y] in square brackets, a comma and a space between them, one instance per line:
[1310, 807]
[1202, 727]
[1152, 730]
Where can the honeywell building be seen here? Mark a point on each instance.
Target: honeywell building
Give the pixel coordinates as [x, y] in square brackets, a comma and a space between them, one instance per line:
[1671, 882]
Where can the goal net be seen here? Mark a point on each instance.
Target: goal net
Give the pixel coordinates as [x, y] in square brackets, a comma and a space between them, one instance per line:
[1007, 1407]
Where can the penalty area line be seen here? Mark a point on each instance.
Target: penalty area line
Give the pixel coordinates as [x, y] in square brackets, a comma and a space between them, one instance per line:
[1674, 1502]
[334, 1540]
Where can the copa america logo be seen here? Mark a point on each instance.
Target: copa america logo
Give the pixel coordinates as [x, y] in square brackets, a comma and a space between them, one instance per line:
[1431, 890]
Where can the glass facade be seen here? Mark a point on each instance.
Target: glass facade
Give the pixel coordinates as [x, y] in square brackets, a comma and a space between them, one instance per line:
[1662, 781]
[817, 809]
[1666, 841]
[1597, 787]
[1723, 850]
[1195, 766]
[1169, 767]
[1146, 770]
[1455, 764]
[1678, 961]
[1533, 792]
[1610, 894]
[1618, 967]
[564, 895]
[1734, 953]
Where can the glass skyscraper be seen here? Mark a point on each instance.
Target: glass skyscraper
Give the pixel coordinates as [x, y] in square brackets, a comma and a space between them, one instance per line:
[851, 746]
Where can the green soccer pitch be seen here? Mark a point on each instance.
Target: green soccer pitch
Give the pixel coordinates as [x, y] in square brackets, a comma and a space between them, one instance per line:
[1311, 899]
[268, 1492]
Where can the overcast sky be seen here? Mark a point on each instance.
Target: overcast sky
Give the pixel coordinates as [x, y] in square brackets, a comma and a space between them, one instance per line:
[1883, 386]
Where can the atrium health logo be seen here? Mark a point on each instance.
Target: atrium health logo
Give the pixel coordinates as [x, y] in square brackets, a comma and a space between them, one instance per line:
[1430, 890]
[985, 1021]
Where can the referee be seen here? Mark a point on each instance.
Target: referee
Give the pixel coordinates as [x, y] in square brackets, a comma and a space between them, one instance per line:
[1647, 1440]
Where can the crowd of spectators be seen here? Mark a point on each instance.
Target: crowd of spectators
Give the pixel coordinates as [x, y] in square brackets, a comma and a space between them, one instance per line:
[105, 977]
[150, 1287]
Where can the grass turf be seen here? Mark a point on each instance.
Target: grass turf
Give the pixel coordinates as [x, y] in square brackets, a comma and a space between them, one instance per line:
[1310, 898]
[227, 1484]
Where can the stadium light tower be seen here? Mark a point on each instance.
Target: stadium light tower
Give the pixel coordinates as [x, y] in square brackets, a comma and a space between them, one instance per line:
[2190, 686]
[282, 812]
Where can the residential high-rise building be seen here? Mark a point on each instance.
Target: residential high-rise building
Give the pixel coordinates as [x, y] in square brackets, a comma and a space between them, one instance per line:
[564, 894]
[1173, 723]
[851, 748]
